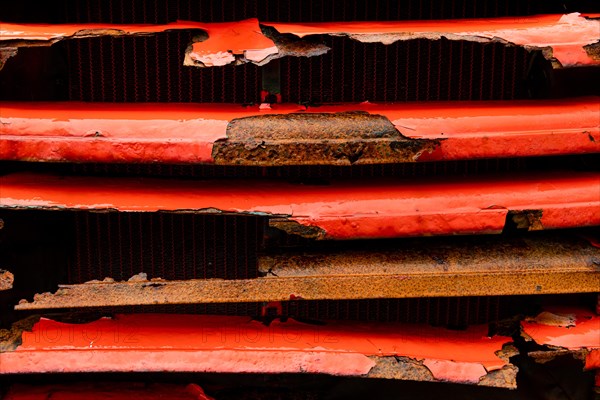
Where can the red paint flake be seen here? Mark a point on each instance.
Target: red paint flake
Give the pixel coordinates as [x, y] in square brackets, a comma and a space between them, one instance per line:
[242, 37]
[584, 335]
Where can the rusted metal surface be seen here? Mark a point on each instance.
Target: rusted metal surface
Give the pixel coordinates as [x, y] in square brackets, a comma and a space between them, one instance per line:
[545, 356]
[561, 38]
[446, 268]
[593, 50]
[183, 133]
[99, 390]
[314, 138]
[10, 339]
[6, 279]
[195, 343]
[405, 368]
[311, 288]
[343, 210]
[445, 256]
[530, 220]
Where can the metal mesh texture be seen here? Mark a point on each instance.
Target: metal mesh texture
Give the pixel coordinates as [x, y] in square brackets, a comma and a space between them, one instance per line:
[150, 69]
[164, 245]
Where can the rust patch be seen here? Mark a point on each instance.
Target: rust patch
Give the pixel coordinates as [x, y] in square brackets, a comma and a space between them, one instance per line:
[296, 228]
[593, 50]
[544, 356]
[317, 138]
[406, 368]
[530, 220]
[11, 338]
[505, 377]
[291, 45]
[402, 368]
[6, 280]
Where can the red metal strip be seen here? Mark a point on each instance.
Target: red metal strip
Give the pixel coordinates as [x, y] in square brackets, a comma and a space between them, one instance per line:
[564, 35]
[342, 210]
[184, 133]
[236, 344]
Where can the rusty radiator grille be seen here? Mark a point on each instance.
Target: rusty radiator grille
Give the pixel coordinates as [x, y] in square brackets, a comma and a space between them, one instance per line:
[149, 69]
[162, 11]
[169, 246]
[416, 70]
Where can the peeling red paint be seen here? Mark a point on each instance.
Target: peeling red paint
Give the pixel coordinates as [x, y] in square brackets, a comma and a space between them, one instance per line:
[243, 38]
[584, 335]
[566, 35]
[184, 133]
[344, 210]
[156, 342]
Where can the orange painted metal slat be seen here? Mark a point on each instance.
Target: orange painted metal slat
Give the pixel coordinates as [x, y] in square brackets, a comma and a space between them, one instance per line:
[184, 133]
[193, 343]
[342, 210]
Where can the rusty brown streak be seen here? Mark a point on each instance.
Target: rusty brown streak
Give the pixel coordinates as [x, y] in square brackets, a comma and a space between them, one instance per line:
[531, 266]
